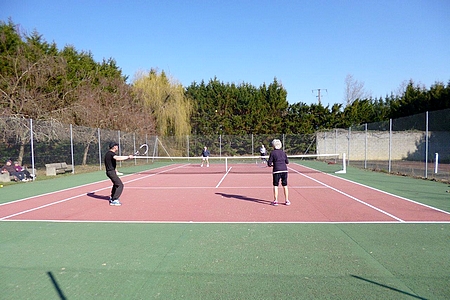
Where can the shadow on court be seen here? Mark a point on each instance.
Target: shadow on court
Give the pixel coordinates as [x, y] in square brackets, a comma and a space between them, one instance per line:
[56, 285]
[387, 287]
[101, 197]
[245, 198]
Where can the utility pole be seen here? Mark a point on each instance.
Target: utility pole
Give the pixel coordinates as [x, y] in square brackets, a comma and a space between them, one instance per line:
[318, 93]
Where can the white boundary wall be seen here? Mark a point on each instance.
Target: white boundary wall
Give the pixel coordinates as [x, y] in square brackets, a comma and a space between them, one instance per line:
[383, 145]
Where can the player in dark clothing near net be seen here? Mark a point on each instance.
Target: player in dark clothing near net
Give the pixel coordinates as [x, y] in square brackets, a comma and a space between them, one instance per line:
[278, 160]
[110, 163]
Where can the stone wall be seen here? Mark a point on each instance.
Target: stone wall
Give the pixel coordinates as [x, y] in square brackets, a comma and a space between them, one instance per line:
[375, 145]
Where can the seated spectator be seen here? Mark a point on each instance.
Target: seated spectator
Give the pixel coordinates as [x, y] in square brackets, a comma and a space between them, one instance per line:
[19, 169]
[9, 168]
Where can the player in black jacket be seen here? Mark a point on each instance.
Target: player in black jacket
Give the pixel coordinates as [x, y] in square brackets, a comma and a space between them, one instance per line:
[278, 160]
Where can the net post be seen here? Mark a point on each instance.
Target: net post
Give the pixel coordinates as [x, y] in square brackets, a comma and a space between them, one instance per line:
[226, 164]
[344, 166]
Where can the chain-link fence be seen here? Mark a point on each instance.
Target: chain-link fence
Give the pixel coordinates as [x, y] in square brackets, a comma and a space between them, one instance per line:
[35, 143]
[417, 145]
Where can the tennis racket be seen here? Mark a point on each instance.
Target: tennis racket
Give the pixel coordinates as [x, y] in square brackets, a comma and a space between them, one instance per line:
[143, 150]
[262, 162]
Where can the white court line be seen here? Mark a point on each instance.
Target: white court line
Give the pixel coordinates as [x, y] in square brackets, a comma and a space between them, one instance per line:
[381, 191]
[215, 187]
[39, 207]
[350, 196]
[80, 195]
[223, 177]
[232, 222]
[76, 187]
[51, 193]
[196, 222]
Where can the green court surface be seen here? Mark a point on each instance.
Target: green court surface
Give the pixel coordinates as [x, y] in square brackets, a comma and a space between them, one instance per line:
[49, 260]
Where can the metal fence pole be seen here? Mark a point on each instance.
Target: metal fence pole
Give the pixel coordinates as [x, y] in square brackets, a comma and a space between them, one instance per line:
[187, 146]
[71, 149]
[155, 147]
[335, 140]
[32, 148]
[134, 146]
[348, 145]
[220, 145]
[390, 145]
[426, 145]
[99, 149]
[120, 147]
[436, 163]
[365, 146]
[146, 142]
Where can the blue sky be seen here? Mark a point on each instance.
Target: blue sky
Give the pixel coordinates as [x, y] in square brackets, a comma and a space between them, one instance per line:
[306, 45]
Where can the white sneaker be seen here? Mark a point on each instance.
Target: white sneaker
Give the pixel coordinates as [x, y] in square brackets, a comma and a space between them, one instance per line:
[115, 203]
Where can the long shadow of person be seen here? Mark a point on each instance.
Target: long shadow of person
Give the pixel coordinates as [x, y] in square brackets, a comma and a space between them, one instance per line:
[101, 197]
[245, 198]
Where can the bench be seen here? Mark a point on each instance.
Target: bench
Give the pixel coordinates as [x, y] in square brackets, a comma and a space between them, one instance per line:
[57, 168]
[5, 177]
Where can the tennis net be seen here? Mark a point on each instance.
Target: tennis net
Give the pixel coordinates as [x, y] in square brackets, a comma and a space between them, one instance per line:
[329, 163]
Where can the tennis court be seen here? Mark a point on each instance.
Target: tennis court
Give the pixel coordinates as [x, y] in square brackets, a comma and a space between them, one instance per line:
[189, 193]
[210, 233]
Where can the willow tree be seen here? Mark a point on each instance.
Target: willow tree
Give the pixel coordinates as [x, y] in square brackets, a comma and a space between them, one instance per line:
[165, 97]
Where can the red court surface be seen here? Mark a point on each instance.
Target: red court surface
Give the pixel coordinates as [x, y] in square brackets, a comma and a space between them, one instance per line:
[188, 193]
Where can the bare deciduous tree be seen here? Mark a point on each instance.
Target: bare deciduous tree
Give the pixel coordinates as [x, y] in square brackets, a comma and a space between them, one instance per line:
[354, 89]
[108, 104]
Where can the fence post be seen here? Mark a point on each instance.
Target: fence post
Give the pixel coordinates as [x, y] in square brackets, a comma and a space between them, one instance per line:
[120, 147]
[187, 146]
[426, 145]
[146, 142]
[365, 146]
[348, 144]
[220, 145]
[99, 149]
[32, 148]
[390, 145]
[335, 142]
[155, 147]
[71, 149]
[134, 146]
[436, 164]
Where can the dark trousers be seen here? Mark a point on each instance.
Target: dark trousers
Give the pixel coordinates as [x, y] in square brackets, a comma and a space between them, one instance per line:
[117, 187]
[27, 174]
[18, 175]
